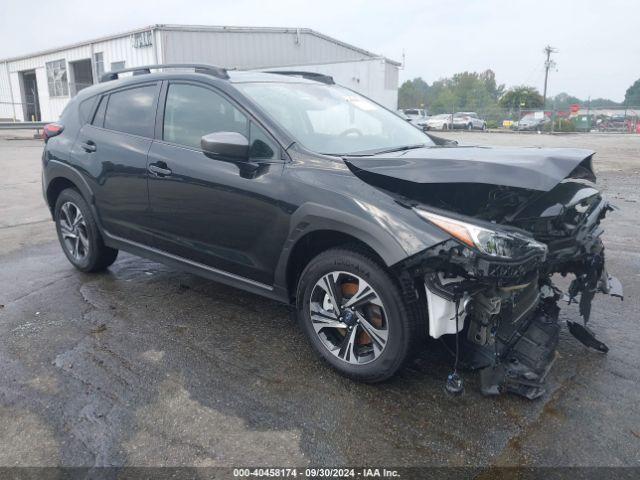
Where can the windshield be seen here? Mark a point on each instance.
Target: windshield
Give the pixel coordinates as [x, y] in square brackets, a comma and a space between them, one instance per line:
[333, 120]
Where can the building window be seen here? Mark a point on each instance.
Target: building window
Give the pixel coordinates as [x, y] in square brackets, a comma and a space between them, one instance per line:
[98, 61]
[57, 78]
[117, 65]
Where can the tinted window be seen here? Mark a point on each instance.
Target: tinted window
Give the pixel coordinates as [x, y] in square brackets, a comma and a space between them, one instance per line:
[262, 146]
[86, 109]
[132, 111]
[192, 111]
[98, 118]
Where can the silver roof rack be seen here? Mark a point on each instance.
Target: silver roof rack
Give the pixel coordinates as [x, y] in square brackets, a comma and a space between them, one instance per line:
[218, 72]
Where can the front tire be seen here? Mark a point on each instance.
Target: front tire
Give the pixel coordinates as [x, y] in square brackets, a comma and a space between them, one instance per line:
[78, 233]
[354, 315]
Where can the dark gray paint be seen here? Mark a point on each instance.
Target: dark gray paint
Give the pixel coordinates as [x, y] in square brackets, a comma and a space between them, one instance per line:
[530, 168]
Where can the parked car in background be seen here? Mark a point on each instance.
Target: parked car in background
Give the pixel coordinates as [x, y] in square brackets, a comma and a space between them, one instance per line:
[469, 121]
[402, 115]
[417, 116]
[439, 122]
[533, 121]
[616, 123]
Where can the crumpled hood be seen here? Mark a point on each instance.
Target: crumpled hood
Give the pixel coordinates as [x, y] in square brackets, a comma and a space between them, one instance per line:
[529, 168]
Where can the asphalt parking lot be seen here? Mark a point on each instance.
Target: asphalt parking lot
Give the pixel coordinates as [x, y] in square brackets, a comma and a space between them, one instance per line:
[148, 366]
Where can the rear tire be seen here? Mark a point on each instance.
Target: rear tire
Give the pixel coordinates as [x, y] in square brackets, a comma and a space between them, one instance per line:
[445, 126]
[470, 127]
[389, 326]
[78, 233]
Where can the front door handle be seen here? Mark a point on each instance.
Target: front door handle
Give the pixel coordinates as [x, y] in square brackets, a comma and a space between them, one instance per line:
[159, 169]
[89, 146]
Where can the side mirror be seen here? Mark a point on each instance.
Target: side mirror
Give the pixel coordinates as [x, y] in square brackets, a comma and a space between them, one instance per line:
[226, 144]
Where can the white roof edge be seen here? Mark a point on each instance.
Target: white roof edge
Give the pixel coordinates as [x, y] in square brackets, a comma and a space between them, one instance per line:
[187, 28]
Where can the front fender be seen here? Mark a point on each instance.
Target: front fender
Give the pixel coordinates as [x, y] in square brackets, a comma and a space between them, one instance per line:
[390, 236]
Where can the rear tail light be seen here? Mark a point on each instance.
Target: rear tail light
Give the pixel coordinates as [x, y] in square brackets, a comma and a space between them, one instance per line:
[51, 130]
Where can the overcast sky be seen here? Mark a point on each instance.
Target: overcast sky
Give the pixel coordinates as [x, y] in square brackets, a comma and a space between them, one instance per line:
[598, 41]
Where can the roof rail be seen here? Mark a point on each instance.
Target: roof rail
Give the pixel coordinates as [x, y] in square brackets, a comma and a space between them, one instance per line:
[318, 77]
[218, 72]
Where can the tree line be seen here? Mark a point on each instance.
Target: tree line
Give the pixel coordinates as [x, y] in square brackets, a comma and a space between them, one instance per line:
[479, 92]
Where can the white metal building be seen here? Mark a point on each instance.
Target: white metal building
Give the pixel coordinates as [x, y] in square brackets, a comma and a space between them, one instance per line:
[38, 86]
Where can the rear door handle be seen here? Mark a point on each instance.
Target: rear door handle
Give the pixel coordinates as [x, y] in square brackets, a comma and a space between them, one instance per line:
[159, 169]
[89, 146]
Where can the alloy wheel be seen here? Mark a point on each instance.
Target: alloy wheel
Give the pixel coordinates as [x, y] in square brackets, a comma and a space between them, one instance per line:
[74, 231]
[349, 318]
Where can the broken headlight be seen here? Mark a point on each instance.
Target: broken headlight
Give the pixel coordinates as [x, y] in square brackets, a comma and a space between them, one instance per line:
[495, 243]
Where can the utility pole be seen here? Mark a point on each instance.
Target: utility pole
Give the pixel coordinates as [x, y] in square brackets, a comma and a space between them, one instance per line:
[548, 63]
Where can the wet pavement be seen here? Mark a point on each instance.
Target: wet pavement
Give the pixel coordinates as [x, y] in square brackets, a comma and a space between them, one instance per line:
[144, 365]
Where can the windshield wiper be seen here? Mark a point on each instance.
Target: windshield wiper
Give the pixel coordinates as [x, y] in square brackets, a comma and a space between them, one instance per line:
[389, 150]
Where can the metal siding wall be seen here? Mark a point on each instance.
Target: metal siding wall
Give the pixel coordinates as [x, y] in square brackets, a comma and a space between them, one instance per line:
[250, 50]
[243, 50]
[391, 79]
[6, 109]
[114, 50]
[15, 86]
[120, 49]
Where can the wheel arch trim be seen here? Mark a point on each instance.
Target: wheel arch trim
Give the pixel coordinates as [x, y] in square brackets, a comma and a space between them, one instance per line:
[56, 169]
[311, 218]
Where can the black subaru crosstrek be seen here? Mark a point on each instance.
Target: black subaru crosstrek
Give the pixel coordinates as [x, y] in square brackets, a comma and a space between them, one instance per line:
[381, 236]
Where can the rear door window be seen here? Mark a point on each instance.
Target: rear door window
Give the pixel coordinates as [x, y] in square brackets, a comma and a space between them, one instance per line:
[132, 111]
[86, 109]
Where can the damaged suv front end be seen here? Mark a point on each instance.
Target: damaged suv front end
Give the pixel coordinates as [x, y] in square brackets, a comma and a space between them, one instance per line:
[515, 219]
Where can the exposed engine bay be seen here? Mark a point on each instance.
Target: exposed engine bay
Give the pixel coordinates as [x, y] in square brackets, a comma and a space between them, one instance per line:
[515, 220]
